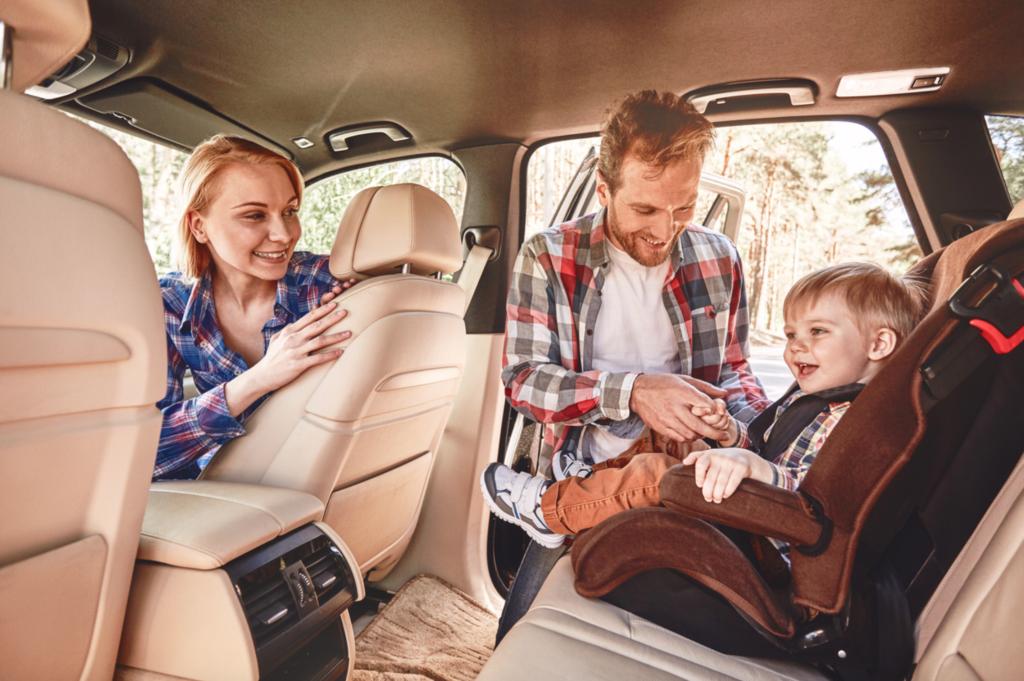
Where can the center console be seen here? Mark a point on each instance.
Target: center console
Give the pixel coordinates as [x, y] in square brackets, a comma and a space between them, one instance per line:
[238, 581]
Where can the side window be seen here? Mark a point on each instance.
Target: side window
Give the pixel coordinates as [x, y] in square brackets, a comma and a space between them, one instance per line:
[324, 202]
[794, 197]
[1008, 141]
[158, 167]
[561, 187]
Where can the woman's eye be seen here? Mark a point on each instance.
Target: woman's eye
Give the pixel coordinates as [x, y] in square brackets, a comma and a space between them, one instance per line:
[291, 212]
[255, 216]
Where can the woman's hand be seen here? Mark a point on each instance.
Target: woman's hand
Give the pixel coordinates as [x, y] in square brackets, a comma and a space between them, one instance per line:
[336, 291]
[291, 351]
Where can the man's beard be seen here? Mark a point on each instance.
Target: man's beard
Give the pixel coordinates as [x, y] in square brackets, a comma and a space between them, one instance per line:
[628, 242]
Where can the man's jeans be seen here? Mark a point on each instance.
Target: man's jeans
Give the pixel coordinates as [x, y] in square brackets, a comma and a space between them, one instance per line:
[537, 564]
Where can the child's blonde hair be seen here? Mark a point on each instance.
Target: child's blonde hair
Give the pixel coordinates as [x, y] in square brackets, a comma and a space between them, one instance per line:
[876, 298]
[197, 189]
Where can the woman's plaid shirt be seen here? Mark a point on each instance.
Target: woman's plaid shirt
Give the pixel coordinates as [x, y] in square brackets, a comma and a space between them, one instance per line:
[193, 430]
[553, 303]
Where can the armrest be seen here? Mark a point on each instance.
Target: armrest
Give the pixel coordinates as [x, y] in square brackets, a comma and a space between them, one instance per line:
[754, 507]
[202, 524]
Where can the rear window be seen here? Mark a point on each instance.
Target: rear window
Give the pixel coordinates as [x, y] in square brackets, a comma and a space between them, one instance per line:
[324, 202]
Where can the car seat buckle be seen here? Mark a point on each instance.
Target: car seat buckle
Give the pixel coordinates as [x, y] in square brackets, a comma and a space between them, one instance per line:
[993, 302]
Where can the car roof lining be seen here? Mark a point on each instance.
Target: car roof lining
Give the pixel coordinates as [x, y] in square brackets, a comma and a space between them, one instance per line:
[440, 68]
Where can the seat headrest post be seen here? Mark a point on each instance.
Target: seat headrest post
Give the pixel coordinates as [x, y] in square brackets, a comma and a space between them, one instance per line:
[407, 268]
[6, 64]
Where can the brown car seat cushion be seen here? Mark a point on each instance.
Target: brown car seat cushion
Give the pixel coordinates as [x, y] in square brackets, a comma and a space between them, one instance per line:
[643, 539]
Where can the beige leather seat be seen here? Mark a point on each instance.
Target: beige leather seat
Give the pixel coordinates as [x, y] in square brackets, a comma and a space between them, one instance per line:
[360, 433]
[82, 365]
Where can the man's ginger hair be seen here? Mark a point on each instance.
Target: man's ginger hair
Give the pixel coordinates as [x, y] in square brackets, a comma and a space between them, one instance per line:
[198, 181]
[658, 128]
[876, 298]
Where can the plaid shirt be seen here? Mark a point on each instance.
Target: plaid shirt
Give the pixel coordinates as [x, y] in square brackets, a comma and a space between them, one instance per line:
[553, 303]
[193, 430]
[789, 468]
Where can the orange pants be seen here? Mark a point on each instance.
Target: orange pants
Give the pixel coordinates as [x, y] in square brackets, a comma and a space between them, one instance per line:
[632, 480]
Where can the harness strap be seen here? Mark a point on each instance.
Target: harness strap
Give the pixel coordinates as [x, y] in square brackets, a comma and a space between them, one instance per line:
[795, 418]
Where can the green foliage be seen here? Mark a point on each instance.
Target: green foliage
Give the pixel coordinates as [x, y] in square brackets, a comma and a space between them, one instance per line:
[1008, 139]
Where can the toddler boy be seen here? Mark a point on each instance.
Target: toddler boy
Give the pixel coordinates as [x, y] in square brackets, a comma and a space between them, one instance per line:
[842, 323]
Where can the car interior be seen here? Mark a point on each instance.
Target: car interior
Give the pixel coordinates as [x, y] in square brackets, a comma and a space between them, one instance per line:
[362, 474]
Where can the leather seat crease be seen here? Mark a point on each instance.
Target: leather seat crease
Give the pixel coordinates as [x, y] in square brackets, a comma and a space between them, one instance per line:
[567, 636]
[82, 365]
[360, 433]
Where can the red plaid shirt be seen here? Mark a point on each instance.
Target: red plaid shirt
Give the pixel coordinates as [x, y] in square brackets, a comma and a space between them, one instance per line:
[554, 300]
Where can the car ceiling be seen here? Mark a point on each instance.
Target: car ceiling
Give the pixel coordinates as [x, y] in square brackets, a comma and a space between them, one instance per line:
[459, 73]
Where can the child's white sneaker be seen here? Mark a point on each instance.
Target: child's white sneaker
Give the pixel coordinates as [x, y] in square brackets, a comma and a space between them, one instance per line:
[515, 498]
[566, 465]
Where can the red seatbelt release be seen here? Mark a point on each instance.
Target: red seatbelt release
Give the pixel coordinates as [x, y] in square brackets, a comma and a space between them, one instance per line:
[993, 302]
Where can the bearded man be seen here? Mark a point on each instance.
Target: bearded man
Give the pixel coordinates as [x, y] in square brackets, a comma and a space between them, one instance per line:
[631, 316]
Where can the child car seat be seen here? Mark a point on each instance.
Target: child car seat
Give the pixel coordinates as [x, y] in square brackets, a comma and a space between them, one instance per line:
[890, 500]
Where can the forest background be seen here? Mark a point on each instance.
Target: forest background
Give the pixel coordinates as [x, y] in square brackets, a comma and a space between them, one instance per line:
[813, 198]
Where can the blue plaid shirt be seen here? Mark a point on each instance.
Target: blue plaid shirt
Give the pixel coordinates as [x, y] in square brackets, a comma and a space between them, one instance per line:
[193, 430]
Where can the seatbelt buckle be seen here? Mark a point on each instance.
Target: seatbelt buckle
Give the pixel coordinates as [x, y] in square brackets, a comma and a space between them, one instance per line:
[993, 302]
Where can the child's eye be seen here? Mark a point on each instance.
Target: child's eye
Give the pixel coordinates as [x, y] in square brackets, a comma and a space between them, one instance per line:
[817, 332]
[790, 336]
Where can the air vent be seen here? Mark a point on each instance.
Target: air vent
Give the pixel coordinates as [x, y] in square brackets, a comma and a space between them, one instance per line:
[107, 48]
[327, 574]
[269, 607]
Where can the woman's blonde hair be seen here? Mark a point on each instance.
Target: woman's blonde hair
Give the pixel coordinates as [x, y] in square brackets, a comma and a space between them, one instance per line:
[197, 180]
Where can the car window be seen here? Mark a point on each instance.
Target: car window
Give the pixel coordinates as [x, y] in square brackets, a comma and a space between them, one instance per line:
[325, 201]
[815, 194]
[1008, 141]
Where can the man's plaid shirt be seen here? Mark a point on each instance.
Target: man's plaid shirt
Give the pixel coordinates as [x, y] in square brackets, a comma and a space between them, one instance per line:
[553, 303]
[193, 430]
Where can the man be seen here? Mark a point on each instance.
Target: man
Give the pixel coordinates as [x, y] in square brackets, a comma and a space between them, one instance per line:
[632, 316]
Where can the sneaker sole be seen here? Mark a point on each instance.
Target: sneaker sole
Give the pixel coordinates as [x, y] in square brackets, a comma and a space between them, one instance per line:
[547, 541]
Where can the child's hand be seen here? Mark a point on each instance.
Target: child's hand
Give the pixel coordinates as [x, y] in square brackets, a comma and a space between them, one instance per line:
[719, 472]
[720, 419]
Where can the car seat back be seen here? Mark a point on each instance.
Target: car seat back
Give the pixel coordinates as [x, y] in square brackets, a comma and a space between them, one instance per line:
[82, 365]
[917, 451]
[360, 433]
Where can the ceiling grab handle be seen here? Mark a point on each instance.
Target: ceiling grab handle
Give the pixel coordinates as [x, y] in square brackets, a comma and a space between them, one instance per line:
[339, 140]
[801, 92]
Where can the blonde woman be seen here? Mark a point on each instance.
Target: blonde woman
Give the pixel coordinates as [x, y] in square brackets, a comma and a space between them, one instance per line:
[245, 310]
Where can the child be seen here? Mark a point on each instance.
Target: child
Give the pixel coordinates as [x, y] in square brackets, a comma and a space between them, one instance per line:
[842, 324]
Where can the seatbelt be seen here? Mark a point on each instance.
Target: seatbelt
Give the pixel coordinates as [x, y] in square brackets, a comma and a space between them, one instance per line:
[472, 270]
[991, 301]
[795, 418]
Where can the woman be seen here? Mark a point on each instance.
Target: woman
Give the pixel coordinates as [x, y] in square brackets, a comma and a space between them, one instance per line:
[242, 312]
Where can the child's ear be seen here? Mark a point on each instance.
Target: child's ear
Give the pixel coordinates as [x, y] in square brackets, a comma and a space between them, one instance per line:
[882, 345]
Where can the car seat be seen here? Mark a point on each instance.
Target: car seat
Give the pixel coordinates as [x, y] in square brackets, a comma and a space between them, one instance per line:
[889, 502]
[82, 364]
[360, 433]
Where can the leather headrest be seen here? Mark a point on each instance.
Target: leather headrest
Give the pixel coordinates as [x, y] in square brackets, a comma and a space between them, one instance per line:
[47, 34]
[386, 227]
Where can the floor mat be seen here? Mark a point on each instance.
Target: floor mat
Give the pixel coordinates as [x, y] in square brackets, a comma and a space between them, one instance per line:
[430, 631]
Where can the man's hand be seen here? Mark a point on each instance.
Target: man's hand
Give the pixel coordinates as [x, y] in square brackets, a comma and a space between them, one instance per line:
[666, 402]
[718, 472]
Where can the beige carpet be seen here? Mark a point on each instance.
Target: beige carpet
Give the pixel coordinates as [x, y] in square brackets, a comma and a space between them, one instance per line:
[430, 631]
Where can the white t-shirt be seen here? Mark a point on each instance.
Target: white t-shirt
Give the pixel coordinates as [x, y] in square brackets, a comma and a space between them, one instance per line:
[633, 333]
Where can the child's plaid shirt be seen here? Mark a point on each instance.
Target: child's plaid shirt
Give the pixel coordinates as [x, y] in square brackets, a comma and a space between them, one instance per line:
[553, 303]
